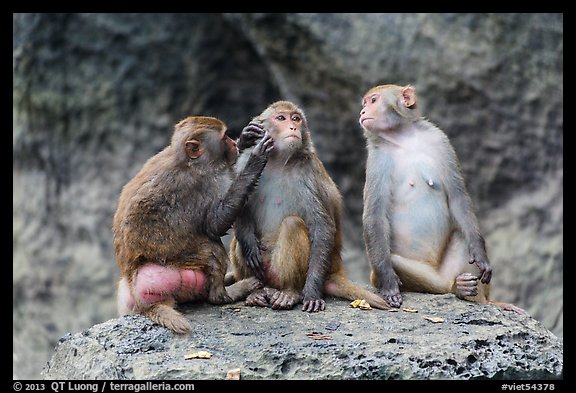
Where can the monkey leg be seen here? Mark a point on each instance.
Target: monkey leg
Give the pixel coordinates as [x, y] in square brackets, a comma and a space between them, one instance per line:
[419, 276]
[338, 285]
[289, 264]
[218, 263]
[241, 289]
[455, 264]
[453, 275]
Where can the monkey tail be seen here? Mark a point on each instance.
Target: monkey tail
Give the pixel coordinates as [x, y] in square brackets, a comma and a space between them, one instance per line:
[166, 316]
[339, 286]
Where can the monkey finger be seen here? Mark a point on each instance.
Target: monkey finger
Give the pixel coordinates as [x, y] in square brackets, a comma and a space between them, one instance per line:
[467, 283]
[282, 301]
[469, 292]
[269, 146]
[252, 134]
[262, 144]
[394, 300]
[261, 301]
[257, 299]
[466, 277]
[486, 276]
[254, 127]
[274, 297]
[314, 305]
[256, 269]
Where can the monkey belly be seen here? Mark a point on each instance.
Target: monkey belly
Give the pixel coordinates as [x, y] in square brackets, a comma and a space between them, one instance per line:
[155, 283]
[421, 229]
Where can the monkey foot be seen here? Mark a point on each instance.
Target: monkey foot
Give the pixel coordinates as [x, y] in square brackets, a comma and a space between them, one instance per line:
[252, 283]
[271, 297]
[285, 299]
[314, 305]
[257, 298]
[218, 295]
[510, 307]
[393, 298]
[466, 285]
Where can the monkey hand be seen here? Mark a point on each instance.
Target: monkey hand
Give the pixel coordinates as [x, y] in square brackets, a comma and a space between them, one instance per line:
[264, 147]
[259, 156]
[250, 135]
[313, 305]
[390, 290]
[482, 263]
[312, 302]
[252, 251]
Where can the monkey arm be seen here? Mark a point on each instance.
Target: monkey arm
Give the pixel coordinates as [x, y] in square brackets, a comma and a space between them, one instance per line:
[322, 232]
[462, 211]
[376, 232]
[221, 215]
[250, 244]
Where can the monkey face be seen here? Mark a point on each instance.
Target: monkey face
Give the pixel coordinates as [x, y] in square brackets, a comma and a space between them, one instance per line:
[230, 149]
[285, 127]
[203, 140]
[373, 111]
[221, 147]
[384, 107]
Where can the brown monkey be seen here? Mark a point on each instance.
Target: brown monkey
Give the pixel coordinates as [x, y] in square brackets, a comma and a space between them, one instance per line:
[420, 229]
[289, 234]
[170, 218]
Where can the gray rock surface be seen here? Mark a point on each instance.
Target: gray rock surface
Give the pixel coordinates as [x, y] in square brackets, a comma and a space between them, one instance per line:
[96, 95]
[472, 342]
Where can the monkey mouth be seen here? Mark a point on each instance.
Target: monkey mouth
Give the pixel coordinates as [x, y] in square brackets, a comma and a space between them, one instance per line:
[366, 118]
[292, 136]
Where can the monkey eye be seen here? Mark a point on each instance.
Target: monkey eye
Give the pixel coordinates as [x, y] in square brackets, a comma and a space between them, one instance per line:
[296, 118]
[373, 99]
[280, 117]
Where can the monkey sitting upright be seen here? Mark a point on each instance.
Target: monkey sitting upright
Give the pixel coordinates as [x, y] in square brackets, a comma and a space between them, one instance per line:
[420, 229]
[170, 218]
[289, 234]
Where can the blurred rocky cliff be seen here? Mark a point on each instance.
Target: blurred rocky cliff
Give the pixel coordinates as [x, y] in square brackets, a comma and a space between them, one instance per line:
[95, 95]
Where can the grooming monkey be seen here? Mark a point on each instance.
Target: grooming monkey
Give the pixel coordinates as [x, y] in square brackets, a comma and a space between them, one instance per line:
[420, 230]
[170, 218]
[289, 234]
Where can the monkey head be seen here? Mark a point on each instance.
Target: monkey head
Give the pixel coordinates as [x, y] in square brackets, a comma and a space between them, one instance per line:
[199, 139]
[385, 107]
[287, 125]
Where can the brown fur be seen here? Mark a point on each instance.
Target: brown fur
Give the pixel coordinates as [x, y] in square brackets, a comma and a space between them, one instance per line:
[173, 212]
[302, 234]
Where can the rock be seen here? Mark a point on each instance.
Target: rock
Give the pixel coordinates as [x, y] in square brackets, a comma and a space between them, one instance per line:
[472, 342]
[97, 94]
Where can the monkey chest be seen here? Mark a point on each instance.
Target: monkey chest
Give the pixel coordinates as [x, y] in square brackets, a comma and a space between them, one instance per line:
[417, 179]
[275, 200]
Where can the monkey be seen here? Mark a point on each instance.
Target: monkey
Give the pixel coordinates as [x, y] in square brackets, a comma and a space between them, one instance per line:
[289, 235]
[170, 218]
[420, 229]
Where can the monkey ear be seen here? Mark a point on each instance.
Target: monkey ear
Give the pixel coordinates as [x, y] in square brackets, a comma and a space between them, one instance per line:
[408, 96]
[193, 149]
